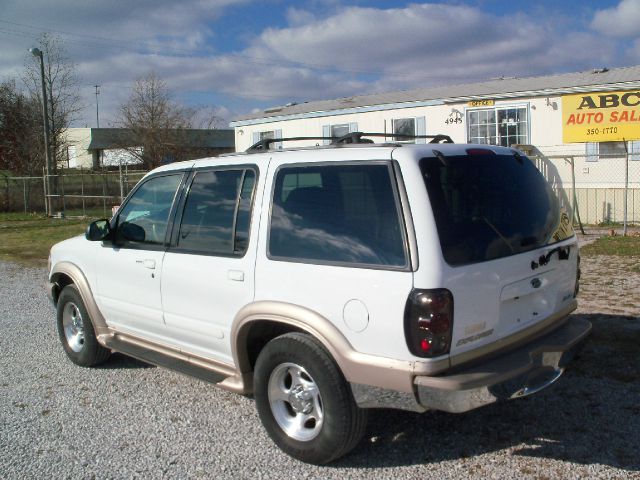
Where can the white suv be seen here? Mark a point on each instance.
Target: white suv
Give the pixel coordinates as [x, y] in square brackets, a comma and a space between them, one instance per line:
[326, 281]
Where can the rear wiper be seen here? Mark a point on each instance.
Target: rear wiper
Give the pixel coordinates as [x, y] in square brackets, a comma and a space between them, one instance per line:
[492, 226]
[438, 154]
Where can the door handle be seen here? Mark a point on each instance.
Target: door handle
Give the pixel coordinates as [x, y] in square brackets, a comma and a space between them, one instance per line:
[147, 263]
[236, 275]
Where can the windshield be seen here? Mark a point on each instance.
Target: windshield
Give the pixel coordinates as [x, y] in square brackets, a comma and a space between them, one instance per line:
[489, 206]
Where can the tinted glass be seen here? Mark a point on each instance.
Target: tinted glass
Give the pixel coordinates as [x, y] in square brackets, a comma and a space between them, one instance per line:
[243, 221]
[208, 220]
[491, 206]
[149, 207]
[344, 214]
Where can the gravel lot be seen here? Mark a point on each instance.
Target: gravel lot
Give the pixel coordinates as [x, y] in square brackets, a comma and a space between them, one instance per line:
[130, 420]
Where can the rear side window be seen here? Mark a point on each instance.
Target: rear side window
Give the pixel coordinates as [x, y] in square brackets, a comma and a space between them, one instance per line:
[217, 212]
[489, 206]
[337, 214]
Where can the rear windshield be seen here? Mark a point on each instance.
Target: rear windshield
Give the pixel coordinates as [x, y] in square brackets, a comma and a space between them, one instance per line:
[489, 206]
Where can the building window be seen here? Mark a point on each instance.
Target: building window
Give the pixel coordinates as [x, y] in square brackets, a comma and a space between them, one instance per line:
[604, 150]
[498, 126]
[404, 126]
[267, 135]
[409, 126]
[338, 130]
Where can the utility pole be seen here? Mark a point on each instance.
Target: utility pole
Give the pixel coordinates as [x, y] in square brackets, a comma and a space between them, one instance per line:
[36, 52]
[97, 112]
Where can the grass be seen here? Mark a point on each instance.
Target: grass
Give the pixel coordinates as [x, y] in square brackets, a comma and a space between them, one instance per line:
[27, 238]
[620, 246]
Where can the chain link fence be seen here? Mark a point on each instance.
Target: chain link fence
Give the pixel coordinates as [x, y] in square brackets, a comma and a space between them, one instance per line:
[598, 189]
[74, 192]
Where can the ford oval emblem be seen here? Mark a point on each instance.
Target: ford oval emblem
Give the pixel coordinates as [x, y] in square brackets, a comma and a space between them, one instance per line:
[535, 283]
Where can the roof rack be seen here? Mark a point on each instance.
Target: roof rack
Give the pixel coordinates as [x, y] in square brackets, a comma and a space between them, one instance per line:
[349, 138]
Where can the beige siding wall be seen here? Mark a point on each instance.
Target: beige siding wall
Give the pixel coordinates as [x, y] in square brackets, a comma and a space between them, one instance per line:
[80, 138]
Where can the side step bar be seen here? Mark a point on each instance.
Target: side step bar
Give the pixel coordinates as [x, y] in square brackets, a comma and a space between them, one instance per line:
[182, 365]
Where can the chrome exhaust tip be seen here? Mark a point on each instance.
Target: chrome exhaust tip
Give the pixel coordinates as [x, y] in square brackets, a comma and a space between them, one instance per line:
[539, 385]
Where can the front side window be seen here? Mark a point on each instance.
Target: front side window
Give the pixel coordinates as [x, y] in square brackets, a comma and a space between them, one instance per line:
[147, 211]
[498, 126]
[337, 214]
[217, 213]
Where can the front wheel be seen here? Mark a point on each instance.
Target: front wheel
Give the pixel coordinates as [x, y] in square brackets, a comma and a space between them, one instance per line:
[76, 330]
[304, 402]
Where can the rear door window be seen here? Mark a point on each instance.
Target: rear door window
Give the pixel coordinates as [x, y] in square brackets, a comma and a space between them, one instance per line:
[337, 214]
[217, 212]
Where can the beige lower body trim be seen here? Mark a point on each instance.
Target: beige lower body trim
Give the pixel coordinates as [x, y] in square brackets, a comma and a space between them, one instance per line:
[77, 277]
[550, 323]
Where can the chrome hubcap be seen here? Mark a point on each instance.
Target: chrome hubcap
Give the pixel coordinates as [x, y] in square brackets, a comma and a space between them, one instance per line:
[73, 326]
[295, 402]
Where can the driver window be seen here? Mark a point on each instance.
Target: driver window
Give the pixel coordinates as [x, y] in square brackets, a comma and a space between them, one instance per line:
[148, 209]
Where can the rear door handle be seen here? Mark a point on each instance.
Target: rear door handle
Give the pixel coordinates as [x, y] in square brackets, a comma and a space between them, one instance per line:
[236, 275]
[147, 263]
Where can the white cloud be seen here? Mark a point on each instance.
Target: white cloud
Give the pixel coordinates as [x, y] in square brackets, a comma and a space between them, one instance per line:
[619, 21]
[429, 44]
[341, 51]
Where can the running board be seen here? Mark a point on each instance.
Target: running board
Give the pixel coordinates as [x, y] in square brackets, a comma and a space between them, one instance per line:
[173, 361]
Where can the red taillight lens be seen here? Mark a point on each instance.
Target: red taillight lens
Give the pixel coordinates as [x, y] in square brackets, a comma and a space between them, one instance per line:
[428, 322]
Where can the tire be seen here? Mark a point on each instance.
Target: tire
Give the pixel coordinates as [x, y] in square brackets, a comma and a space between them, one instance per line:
[76, 330]
[304, 402]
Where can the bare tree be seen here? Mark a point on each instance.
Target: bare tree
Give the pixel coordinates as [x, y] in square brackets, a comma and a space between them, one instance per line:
[21, 135]
[61, 83]
[153, 121]
[158, 128]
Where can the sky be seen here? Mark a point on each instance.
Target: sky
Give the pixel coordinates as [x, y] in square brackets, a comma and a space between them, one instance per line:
[239, 56]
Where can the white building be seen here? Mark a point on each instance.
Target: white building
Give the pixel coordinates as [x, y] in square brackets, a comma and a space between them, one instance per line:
[108, 147]
[533, 111]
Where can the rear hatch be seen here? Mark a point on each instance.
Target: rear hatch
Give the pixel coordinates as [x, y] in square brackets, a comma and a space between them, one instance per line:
[510, 251]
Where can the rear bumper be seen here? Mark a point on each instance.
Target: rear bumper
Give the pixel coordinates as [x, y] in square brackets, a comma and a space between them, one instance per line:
[521, 372]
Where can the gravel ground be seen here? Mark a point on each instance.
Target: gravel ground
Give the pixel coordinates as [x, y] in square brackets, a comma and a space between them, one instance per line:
[130, 420]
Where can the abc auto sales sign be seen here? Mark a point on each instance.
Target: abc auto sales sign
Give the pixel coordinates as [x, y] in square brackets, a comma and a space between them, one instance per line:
[601, 117]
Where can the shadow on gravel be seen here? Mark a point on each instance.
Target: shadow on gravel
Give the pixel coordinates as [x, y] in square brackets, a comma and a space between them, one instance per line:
[118, 360]
[590, 416]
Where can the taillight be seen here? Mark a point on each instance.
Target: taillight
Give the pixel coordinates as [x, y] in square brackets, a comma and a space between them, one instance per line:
[428, 322]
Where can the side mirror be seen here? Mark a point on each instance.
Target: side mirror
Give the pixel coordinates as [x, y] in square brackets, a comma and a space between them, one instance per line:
[98, 230]
[131, 232]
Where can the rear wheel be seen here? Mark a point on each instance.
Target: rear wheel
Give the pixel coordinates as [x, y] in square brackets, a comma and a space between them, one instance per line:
[76, 330]
[304, 402]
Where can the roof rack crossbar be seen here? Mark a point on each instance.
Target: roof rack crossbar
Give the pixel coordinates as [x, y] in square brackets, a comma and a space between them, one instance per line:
[353, 137]
[266, 142]
[356, 137]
